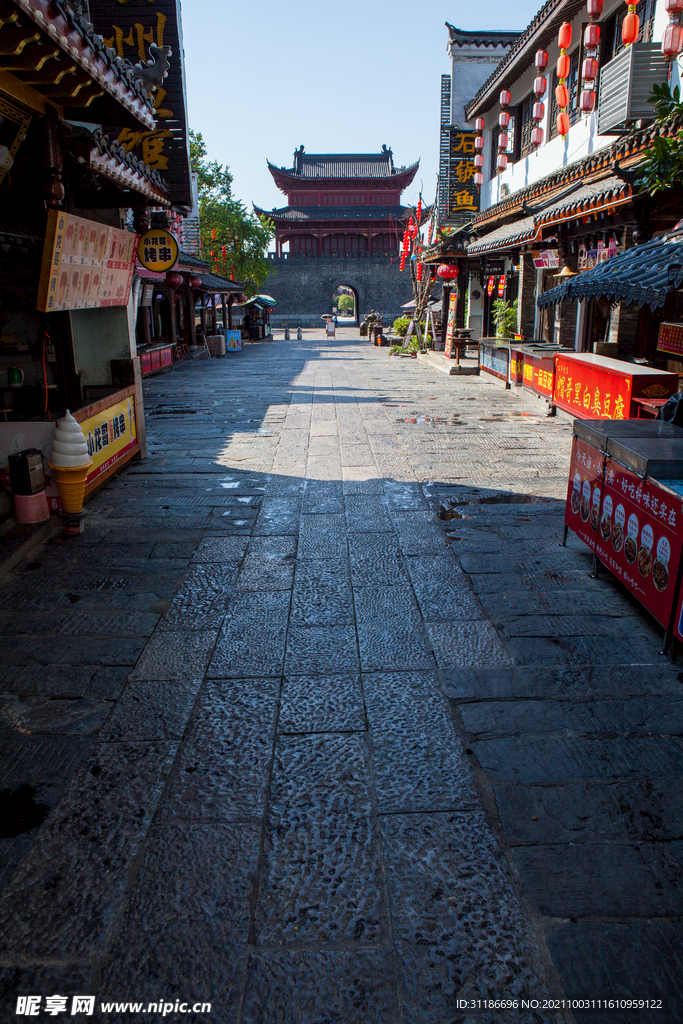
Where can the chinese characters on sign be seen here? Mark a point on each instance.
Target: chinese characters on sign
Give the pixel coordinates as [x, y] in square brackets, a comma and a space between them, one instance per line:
[581, 390]
[14, 124]
[638, 538]
[130, 27]
[450, 326]
[86, 265]
[158, 251]
[584, 491]
[111, 435]
[670, 339]
[463, 194]
[29, 1006]
[545, 259]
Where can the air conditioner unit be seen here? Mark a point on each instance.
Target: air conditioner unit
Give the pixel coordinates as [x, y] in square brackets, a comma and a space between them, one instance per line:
[625, 84]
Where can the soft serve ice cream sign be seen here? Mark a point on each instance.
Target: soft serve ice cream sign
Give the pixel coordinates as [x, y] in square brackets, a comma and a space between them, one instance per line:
[70, 462]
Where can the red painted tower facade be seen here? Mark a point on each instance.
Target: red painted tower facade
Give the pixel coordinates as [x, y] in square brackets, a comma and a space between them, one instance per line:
[341, 205]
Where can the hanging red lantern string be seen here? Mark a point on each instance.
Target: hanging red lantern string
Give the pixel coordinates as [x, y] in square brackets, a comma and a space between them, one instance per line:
[419, 212]
[479, 126]
[672, 39]
[419, 271]
[630, 28]
[540, 89]
[590, 68]
[213, 235]
[564, 40]
[504, 99]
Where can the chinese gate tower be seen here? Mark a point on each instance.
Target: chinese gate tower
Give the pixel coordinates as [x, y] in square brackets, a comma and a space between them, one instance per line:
[344, 224]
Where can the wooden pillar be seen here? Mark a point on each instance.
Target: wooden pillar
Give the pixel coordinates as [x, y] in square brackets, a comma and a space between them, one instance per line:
[230, 327]
[203, 313]
[54, 186]
[192, 334]
[224, 307]
[172, 329]
[215, 314]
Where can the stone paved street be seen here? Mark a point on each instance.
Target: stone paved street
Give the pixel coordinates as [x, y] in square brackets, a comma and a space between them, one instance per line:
[318, 723]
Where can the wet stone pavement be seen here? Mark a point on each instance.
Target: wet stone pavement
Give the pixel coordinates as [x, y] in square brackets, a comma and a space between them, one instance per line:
[318, 723]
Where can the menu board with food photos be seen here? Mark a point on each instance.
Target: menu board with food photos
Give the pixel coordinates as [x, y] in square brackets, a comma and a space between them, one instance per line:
[86, 265]
[582, 512]
[640, 537]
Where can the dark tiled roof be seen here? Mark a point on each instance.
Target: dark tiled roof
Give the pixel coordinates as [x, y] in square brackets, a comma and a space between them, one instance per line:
[644, 274]
[505, 236]
[214, 283]
[606, 191]
[351, 213]
[188, 260]
[343, 165]
[462, 37]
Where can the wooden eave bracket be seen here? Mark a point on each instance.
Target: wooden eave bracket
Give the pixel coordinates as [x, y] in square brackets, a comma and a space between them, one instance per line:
[42, 24]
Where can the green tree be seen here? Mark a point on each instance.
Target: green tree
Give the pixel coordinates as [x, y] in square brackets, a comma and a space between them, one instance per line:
[233, 240]
[345, 302]
[663, 164]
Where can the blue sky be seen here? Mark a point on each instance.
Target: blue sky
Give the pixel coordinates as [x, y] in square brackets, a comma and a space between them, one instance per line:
[264, 78]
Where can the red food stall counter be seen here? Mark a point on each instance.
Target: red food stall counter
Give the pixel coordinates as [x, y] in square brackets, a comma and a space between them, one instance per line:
[597, 387]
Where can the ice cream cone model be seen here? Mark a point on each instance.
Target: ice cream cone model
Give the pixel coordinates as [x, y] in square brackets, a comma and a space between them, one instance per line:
[70, 461]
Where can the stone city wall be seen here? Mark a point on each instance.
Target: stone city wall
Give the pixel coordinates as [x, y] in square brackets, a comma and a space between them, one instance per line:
[304, 287]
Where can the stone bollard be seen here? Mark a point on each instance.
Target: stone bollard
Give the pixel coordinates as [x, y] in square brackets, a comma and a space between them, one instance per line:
[286, 333]
[299, 335]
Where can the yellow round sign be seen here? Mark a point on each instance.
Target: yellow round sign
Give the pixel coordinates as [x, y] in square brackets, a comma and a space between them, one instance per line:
[158, 250]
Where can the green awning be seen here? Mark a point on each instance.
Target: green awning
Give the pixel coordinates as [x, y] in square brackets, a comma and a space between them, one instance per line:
[265, 301]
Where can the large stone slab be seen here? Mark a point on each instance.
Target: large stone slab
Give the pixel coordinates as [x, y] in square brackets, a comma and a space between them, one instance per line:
[322, 593]
[321, 649]
[559, 758]
[176, 655]
[640, 716]
[458, 925]
[376, 560]
[638, 960]
[221, 772]
[202, 876]
[321, 703]
[418, 762]
[252, 640]
[202, 600]
[390, 630]
[443, 590]
[642, 811]
[323, 536]
[353, 987]
[321, 880]
[559, 683]
[602, 880]
[60, 904]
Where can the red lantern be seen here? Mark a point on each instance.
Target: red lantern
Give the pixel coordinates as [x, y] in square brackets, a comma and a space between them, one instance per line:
[672, 41]
[563, 123]
[591, 37]
[541, 59]
[419, 271]
[563, 65]
[630, 29]
[540, 85]
[502, 161]
[195, 282]
[504, 119]
[478, 160]
[479, 179]
[479, 142]
[561, 96]
[673, 6]
[505, 98]
[594, 9]
[587, 102]
[536, 136]
[538, 112]
[490, 284]
[501, 286]
[174, 280]
[589, 71]
[503, 141]
[479, 124]
[564, 38]
[447, 272]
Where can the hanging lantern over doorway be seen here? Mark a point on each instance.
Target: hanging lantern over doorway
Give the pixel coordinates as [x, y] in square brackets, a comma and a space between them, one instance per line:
[447, 272]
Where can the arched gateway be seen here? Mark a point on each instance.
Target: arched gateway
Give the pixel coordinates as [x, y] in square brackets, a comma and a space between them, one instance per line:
[343, 225]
